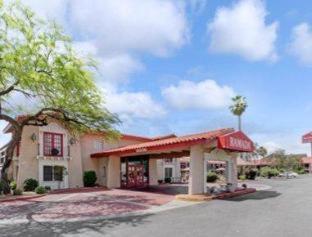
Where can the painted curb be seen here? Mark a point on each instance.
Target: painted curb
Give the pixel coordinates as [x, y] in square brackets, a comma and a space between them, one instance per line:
[22, 198]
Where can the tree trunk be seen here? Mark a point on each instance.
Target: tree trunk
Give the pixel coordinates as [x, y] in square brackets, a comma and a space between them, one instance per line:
[239, 123]
[9, 153]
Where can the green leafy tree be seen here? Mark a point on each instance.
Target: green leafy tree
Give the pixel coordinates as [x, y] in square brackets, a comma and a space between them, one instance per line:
[262, 151]
[37, 61]
[238, 108]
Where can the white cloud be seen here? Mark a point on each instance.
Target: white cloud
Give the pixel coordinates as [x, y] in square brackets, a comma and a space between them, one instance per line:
[205, 94]
[135, 105]
[273, 141]
[301, 44]
[116, 33]
[241, 29]
[151, 26]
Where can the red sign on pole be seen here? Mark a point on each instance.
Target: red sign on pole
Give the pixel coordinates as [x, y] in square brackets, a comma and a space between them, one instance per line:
[236, 141]
[307, 138]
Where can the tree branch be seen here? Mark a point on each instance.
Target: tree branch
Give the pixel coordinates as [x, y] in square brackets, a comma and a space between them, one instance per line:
[9, 89]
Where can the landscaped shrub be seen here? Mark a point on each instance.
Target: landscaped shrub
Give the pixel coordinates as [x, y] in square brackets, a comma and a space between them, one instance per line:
[299, 170]
[167, 180]
[1, 187]
[47, 188]
[17, 192]
[13, 185]
[242, 177]
[212, 177]
[40, 190]
[30, 184]
[269, 172]
[251, 174]
[89, 178]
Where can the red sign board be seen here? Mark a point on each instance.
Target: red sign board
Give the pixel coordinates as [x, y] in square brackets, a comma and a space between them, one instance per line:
[307, 138]
[236, 141]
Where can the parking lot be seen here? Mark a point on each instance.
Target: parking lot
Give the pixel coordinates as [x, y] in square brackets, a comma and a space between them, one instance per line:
[282, 211]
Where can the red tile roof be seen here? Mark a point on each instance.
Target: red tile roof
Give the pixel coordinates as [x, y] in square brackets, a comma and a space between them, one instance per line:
[172, 142]
[306, 160]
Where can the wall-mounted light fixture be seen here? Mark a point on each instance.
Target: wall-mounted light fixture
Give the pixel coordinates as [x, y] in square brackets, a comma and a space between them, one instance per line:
[72, 141]
[33, 137]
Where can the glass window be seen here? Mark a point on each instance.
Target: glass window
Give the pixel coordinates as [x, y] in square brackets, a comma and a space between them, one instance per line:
[58, 173]
[52, 144]
[168, 172]
[53, 173]
[47, 173]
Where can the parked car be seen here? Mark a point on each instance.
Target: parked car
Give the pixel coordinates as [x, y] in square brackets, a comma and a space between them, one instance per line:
[288, 175]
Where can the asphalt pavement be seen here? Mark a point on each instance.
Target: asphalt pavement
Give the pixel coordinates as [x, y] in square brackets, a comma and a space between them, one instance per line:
[285, 210]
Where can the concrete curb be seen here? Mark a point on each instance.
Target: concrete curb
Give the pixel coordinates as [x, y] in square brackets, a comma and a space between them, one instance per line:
[21, 198]
[235, 194]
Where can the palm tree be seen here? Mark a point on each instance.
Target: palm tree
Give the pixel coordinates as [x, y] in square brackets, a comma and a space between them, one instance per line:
[238, 108]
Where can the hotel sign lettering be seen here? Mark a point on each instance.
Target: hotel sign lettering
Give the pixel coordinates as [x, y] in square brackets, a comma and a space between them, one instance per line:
[236, 141]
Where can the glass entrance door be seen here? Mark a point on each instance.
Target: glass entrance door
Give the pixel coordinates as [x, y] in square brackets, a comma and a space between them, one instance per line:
[134, 172]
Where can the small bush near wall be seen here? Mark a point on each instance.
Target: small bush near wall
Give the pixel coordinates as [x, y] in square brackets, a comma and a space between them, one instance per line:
[212, 177]
[89, 178]
[13, 185]
[242, 177]
[30, 184]
[17, 192]
[1, 187]
[40, 190]
[167, 180]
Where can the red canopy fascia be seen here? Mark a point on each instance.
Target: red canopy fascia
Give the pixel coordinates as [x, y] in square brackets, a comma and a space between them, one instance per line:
[235, 141]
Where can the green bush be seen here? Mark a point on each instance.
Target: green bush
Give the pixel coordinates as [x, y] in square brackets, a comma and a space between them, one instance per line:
[242, 177]
[89, 178]
[40, 190]
[17, 192]
[13, 185]
[212, 177]
[30, 184]
[1, 187]
[299, 170]
[269, 172]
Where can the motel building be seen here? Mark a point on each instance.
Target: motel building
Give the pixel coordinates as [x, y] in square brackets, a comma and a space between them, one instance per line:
[51, 155]
[137, 164]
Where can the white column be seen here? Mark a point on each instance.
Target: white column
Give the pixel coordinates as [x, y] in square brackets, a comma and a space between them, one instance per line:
[113, 172]
[152, 171]
[196, 179]
[231, 172]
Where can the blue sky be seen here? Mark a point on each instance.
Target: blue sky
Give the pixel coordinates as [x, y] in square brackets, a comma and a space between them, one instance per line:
[171, 66]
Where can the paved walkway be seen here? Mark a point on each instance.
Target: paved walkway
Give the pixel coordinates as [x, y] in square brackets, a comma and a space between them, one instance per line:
[81, 206]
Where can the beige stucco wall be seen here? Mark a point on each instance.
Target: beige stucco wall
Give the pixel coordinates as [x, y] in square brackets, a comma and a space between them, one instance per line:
[96, 164]
[113, 172]
[28, 163]
[75, 176]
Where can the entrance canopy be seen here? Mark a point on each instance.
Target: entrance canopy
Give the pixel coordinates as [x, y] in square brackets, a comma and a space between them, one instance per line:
[226, 139]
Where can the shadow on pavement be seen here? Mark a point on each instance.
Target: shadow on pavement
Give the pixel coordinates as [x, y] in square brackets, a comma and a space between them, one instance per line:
[99, 227]
[259, 195]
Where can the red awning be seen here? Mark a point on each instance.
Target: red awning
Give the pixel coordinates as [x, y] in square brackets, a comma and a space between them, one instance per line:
[235, 141]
